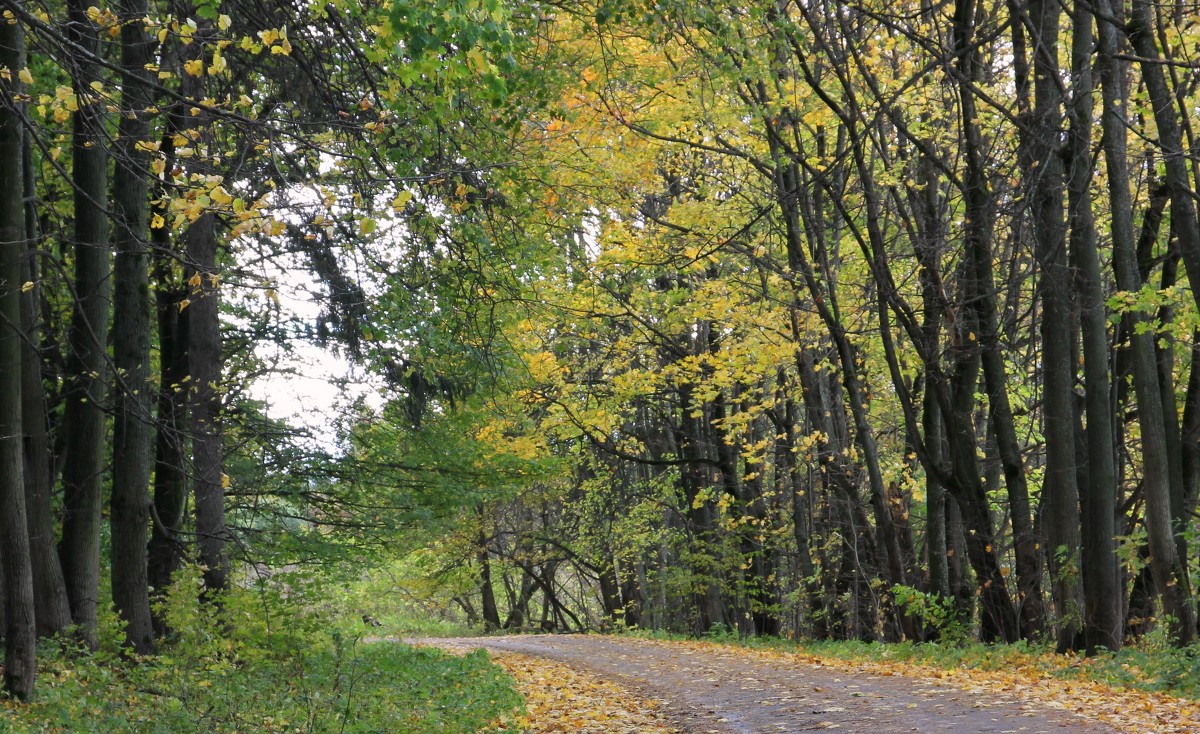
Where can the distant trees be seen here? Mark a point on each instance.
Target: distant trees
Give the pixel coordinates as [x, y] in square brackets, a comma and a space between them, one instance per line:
[873, 317]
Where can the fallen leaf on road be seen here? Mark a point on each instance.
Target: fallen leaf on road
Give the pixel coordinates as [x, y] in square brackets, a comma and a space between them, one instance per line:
[563, 700]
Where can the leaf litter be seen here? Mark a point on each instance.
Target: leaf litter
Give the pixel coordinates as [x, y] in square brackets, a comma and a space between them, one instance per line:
[562, 697]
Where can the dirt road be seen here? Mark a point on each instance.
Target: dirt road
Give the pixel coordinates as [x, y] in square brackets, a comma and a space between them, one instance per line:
[723, 691]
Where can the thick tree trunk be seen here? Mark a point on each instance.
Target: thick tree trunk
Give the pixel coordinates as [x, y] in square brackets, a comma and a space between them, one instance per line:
[20, 633]
[83, 417]
[491, 613]
[132, 417]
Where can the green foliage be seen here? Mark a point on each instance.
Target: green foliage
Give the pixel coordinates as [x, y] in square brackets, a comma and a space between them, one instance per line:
[263, 661]
[937, 612]
[720, 633]
[410, 596]
[454, 42]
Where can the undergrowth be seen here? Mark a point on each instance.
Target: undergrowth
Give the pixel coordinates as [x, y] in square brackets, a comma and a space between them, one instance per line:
[1145, 666]
[262, 662]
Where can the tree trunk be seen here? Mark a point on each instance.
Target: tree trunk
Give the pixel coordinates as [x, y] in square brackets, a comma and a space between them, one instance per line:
[83, 417]
[1141, 29]
[491, 614]
[1169, 575]
[50, 591]
[1185, 226]
[204, 367]
[165, 550]
[1060, 492]
[998, 616]
[1101, 574]
[20, 633]
[132, 417]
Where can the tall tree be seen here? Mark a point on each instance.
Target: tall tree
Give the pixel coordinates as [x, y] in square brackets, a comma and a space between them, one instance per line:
[1060, 492]
[20, 634]
[132, 416]
[50, 591]
[1102, 597]
[1170, 577]
[87, 356]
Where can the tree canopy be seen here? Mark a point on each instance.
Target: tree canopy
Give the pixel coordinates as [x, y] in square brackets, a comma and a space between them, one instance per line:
[868, 321]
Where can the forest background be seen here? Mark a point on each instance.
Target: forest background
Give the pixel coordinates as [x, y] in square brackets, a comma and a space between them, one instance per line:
[865, 321]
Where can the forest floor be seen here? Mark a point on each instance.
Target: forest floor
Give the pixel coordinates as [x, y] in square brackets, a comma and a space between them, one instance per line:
[619, 685]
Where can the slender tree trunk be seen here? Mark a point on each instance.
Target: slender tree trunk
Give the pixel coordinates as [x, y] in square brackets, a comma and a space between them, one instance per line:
[204, 367]
[132, 417]
[83, 417]
[998, 615]
[935, 502]
[1060, 492]
[50, 591]
[1169, 575]
[1185, 226]
[705, 551]
[1190, 432]
[1141, 29]
[763, 589]
[929, 245]
[168, 510]
[1101, 574]
[165, 551]
[1164, 350]
[20, 633]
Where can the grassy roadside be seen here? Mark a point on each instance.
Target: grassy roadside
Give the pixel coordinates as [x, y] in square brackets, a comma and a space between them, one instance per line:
[1152, 666]
[263, 666]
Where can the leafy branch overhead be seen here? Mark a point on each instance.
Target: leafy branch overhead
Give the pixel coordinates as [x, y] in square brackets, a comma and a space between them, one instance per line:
[860, 322]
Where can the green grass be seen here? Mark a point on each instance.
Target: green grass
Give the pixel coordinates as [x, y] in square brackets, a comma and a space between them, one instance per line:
[262, 664]
[378, 687]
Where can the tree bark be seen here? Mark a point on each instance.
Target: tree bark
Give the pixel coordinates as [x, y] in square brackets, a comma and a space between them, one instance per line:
[165, 552]
[204, 368]
[1101, 573]
[1060, 491]
[20, 633]
[1169, 575]
[491, 614]
[50, 591]
[83, 416]
[132, 417]
[998, 616]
